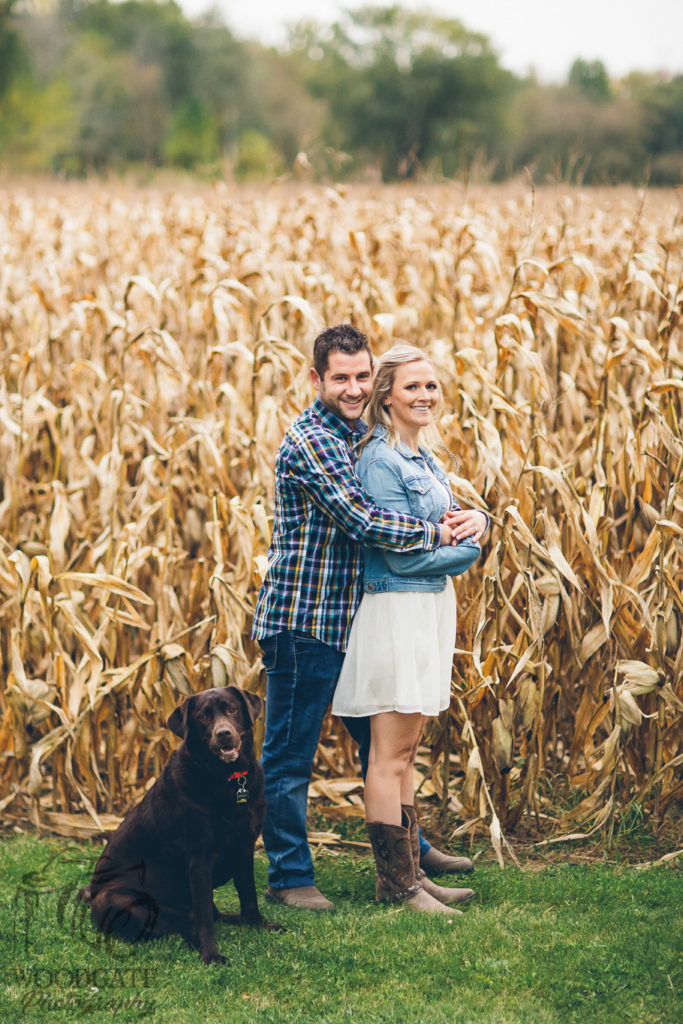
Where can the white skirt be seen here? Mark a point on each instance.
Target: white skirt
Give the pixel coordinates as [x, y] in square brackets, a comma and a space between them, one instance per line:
[400, 654]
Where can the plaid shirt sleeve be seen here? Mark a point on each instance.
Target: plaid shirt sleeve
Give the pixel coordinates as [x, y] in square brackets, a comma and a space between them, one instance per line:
[322, 465]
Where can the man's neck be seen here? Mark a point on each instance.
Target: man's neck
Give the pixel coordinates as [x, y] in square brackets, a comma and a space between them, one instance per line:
[353, 425]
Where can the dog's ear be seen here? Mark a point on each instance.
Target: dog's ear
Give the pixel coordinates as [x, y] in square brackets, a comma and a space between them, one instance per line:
[177, 721]
[251, 702]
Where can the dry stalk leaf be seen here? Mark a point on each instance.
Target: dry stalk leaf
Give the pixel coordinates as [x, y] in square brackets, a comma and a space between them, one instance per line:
[138, 437]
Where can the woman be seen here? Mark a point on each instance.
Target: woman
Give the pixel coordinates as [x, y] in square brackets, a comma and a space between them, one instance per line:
[398, 663]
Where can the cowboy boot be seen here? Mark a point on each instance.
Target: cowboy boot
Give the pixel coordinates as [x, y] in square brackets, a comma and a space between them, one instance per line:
[439, 892]
[438, 863]
[396, 881]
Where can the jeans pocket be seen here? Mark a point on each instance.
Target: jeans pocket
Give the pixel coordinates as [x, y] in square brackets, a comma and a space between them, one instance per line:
[304, 638]
[268, 645]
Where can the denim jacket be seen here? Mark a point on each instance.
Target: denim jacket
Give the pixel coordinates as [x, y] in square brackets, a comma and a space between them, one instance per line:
[399, 479]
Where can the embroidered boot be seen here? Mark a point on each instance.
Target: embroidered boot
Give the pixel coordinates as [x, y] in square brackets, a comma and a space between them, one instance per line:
[439, 892]
[396, 881]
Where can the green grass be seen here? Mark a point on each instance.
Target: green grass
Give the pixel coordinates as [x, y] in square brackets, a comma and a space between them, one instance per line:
[555, 945]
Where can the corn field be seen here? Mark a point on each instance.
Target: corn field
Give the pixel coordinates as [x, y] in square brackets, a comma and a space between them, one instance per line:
[155, 346]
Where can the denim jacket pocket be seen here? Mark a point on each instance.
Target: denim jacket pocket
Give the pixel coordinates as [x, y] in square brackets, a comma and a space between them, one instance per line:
[424, 497]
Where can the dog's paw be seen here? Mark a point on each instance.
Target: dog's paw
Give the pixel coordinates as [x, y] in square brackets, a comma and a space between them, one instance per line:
[273, 926]
[228, 918]
[212, 956]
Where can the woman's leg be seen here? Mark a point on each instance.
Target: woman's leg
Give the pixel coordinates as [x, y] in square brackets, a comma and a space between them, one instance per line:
[359, 729]
[408, 780]
[389, 779]
[439, 892]
[393, 743]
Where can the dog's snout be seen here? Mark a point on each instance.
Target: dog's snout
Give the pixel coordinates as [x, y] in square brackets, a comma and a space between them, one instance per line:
[226, 743]
[225, 736]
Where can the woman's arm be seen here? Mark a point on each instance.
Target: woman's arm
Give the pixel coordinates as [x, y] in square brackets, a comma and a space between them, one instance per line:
[446, 561]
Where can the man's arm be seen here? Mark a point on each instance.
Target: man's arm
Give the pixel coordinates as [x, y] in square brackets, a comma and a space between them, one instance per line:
[323, 468]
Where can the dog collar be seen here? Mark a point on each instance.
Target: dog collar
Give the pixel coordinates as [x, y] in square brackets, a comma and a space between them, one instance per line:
[241, 779]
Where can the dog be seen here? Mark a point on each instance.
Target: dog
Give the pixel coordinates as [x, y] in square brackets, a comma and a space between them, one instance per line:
[192, 832]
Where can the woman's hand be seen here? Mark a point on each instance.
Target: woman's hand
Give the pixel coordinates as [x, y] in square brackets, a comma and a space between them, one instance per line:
[465, 523]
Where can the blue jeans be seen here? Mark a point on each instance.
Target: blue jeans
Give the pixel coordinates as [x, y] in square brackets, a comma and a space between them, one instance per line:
[302, 674]
[360, 731]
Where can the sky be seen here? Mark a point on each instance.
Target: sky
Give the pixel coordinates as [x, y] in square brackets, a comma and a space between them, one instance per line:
[543, 35]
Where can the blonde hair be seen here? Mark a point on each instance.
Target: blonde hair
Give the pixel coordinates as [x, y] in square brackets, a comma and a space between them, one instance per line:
[377, 413]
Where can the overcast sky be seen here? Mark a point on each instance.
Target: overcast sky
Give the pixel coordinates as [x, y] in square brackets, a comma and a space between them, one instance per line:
[627, 35]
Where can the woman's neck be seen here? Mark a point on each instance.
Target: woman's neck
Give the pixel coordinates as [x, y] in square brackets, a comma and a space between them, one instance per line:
[410, 439]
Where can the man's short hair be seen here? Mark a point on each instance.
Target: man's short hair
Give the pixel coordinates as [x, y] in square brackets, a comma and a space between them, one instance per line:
[340, 338]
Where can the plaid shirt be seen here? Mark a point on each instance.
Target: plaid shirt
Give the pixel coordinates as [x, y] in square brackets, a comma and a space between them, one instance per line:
[322, 514]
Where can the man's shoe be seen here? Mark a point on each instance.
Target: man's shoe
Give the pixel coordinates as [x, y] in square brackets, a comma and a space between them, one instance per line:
[305, 897]
[434, 862]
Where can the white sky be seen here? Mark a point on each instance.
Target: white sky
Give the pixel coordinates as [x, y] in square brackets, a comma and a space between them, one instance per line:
[546, 35]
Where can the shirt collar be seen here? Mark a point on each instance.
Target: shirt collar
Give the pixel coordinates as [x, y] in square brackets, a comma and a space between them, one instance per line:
[351, 434]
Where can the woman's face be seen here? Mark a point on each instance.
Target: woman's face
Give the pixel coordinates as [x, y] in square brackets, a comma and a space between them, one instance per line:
[413, 397]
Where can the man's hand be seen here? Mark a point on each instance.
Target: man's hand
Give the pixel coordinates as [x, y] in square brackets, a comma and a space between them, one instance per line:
[445, 533]
[466, 523]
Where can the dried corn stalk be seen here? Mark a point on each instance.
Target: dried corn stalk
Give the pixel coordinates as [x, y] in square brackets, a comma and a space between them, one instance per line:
[155, 347]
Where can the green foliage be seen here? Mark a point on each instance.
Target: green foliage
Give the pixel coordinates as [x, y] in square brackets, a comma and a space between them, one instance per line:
[591, 79]
[12, 53]
[152, 34]
[256, 158]
[276, 102]
[121, 113]
[192, 136]
[560, 945]
[404, 89]
[141, 84]
[660, 102]
[95, 85]
[565, 137]
[36, 126]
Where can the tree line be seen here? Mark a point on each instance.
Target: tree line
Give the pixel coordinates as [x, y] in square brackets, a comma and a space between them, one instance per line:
[92, 86]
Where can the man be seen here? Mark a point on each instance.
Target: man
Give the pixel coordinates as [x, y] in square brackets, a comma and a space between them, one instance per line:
[312, 588]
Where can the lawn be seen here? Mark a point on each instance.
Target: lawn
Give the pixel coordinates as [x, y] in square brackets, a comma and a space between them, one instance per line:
[544, 945]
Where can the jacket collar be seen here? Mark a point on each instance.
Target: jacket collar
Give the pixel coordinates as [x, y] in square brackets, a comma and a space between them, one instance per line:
[403, 449]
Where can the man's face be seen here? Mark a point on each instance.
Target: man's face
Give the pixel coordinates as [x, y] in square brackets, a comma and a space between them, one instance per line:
[346, 385]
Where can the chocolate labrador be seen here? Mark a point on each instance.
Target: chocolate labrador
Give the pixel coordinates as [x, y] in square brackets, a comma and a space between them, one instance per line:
[193, 831]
